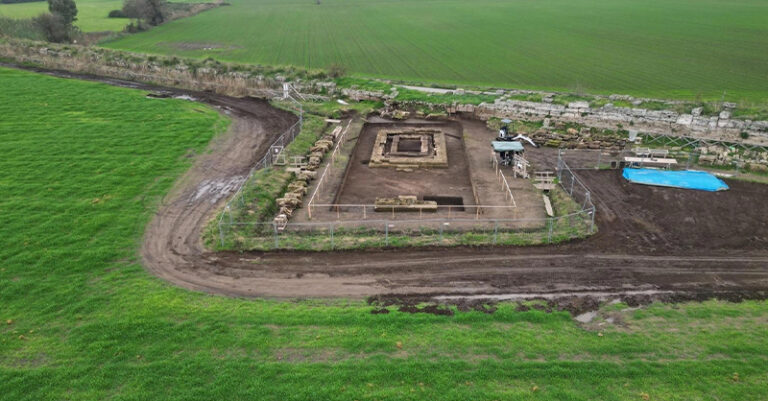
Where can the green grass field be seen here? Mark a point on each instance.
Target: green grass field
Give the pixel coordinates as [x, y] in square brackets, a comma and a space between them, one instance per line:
[84, 166]
[91, 16]
[659, 48]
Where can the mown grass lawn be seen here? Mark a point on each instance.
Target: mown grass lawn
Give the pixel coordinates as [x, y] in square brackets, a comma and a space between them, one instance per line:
[91, 16]
[657, 48]
[84, 166]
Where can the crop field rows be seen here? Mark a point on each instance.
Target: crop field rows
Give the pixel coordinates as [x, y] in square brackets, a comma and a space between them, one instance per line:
[676, 49]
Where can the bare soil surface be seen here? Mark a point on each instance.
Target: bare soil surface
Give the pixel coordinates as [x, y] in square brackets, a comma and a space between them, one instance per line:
[653, 243]
[198, 46]
[470, 173]
[364, 184]
[528, 201]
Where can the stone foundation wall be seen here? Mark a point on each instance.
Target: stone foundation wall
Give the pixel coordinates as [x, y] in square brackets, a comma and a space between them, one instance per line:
[665, 122]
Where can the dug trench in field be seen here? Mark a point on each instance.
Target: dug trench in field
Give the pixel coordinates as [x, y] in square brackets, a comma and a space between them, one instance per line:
[637, 245]
[617, 259]
[638, 248]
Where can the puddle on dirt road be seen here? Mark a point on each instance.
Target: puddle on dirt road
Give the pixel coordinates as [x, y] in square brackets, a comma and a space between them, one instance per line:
[213, 190]
[586, 317]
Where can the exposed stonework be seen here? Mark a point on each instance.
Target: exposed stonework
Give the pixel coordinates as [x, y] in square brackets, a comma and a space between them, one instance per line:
[202, 75]
[754, 160]
[404, 203]
[648, 121]
[430, 150]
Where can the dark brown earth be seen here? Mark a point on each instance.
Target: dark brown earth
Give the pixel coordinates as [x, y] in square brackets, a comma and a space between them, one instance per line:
[653, 243]
[363, 185]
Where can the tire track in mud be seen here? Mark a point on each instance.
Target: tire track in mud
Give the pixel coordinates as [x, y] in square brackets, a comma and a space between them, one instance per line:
[728, 254]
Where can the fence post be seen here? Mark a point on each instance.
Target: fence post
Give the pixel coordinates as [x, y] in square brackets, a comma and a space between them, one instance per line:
[441, 230]
[221, 234]
[330, 225]
[386, 233]
[495, 230]
[277, 237]
[599, 159]
[592, 224]
[549, 236]
[573, 180]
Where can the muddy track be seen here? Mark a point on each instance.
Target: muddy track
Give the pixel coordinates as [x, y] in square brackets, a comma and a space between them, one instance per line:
[651, 240]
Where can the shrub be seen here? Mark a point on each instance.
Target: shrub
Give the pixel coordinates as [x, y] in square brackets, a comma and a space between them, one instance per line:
[66, 9]
[54, 27]
[137, 26]
[744, 135]
[337, 71]
[117, 14]
[20, 28]
[153, 12]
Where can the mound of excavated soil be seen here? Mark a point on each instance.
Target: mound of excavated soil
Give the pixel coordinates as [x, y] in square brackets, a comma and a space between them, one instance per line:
[648, 219]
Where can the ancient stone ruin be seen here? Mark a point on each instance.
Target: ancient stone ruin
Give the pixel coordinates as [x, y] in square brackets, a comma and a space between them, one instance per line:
[408, 149]
[404, 203]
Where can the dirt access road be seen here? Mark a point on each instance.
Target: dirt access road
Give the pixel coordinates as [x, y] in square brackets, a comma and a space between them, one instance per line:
[653, 242]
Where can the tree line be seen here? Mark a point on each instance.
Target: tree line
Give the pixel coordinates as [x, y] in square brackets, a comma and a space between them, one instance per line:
[145, 12]
[57, 25]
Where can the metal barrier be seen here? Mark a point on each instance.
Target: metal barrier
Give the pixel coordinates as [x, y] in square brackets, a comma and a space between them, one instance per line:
[365, 210]
[283, 140]
[499, 173]
[354, 234]
[328, 166]
[434, 230]
[576, 189]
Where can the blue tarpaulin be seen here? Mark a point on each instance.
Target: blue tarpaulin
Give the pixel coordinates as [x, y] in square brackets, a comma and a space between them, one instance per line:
[700, 180]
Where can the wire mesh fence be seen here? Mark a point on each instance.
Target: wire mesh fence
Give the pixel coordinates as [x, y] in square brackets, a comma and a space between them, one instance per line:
[375, 231]
[573, 186]
[238, 200]
[355, 234]
[341, 211]
[354, 229]
[603, 159]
